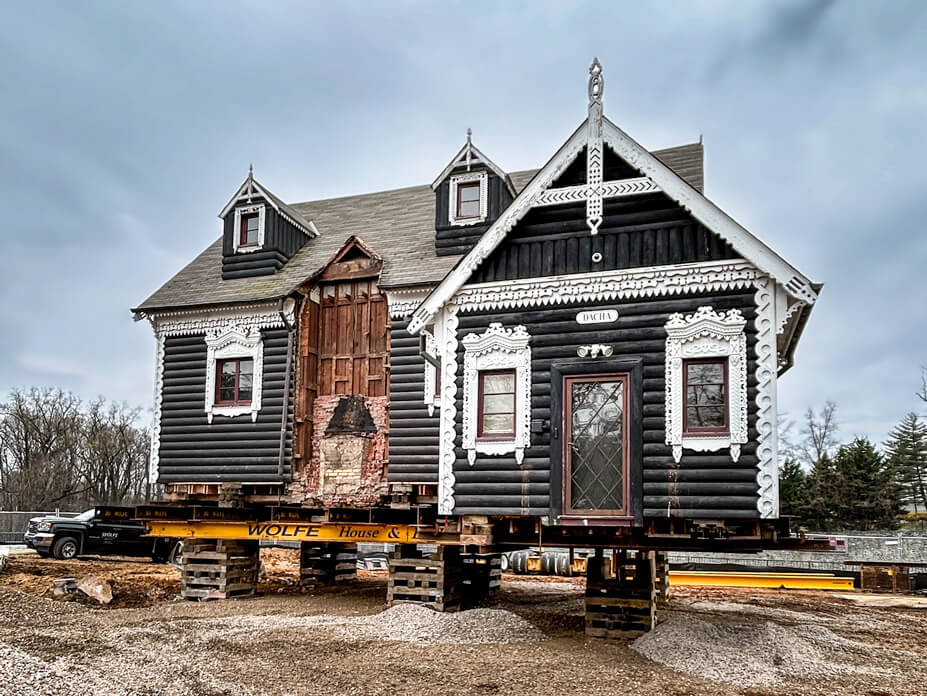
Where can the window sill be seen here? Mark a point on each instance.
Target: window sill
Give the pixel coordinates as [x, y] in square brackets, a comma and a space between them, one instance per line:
[495, 448]
[232, 411]
[706, 442]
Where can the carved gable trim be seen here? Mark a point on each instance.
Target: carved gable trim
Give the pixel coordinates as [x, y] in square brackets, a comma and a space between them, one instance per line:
[497, 348]
[706, 334]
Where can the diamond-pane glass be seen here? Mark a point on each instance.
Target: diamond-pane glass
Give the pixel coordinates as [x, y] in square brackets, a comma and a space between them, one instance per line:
[596, 447]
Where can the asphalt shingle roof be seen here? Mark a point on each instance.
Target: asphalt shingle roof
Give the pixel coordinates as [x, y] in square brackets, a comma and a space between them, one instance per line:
[398, 225]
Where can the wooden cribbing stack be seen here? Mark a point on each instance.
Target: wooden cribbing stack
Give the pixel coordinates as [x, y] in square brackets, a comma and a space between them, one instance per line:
[219, 569]
[482, 575]
[327, 563]
[620, 595]
[434, 581]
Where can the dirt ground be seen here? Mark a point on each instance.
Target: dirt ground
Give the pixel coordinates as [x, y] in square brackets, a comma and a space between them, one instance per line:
[151, 642]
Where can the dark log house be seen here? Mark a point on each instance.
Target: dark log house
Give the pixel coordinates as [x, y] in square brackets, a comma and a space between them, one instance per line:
[584, 354]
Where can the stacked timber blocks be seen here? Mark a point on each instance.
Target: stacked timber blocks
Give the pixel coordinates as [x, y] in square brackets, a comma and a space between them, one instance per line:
[329, 563]
[482, 575]
[620, 596]
[219, 569]
[435, 580]
[660, 578]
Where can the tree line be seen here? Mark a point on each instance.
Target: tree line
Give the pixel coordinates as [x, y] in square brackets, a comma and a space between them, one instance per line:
[57, 451]
[829, 486]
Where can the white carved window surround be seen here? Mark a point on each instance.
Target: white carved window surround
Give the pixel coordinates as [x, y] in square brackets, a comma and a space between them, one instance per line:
[706, 334]
[231, 343]
[456, 182]
[497, 349]
[236, 230]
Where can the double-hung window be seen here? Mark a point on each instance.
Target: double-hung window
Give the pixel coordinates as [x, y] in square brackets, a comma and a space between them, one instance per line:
[496, 406]
[468, 200]
[249, 231]
[705, 385]
[235, 382]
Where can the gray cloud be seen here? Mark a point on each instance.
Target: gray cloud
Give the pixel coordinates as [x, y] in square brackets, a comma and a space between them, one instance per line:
[126, 126]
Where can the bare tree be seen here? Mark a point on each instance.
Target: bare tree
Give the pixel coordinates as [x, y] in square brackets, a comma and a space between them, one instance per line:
[54, 452]
[819, 434]
[113, 458]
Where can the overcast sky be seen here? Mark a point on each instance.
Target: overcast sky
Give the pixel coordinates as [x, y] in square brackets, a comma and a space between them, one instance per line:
[126, 126]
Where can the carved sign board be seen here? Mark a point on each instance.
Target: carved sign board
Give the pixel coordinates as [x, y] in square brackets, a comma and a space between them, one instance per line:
[597, 316]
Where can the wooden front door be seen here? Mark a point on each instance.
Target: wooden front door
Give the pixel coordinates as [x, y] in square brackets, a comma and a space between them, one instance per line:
[595, 444]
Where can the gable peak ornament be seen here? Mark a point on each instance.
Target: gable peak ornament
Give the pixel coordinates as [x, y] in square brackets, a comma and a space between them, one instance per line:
[596, 82]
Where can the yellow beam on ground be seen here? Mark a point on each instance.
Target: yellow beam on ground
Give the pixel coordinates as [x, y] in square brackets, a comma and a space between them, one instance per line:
[290, 531]
[791, 581]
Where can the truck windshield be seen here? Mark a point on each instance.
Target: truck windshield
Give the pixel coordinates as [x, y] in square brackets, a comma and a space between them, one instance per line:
[86, 515]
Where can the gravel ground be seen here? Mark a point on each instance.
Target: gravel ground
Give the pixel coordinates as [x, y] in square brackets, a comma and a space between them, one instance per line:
[529, 639]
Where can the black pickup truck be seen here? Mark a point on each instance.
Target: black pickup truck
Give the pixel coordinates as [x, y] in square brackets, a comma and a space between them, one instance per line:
[98, 531]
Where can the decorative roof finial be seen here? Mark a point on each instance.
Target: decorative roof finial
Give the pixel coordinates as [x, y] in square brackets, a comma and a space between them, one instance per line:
[250, 188]
[469, 148]
[469, 134]
[596, 82]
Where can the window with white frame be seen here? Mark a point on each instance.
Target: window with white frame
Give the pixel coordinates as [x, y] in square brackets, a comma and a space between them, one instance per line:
[468, 200]
[706, 382]
[248, 229]
[497, 392]
[234, 372]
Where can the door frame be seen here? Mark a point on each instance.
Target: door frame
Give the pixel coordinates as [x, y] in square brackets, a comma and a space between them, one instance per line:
[633, 369]
[567, 423]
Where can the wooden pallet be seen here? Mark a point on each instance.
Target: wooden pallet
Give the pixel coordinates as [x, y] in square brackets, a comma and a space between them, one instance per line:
[620, 595]
[435, 581]
[219, 569]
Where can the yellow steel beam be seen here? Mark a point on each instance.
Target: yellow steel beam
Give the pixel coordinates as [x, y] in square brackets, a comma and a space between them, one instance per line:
[792, 581]
[291, 531]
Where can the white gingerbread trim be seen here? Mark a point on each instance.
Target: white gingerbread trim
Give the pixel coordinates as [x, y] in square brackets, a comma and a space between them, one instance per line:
[767, 476]
[446, 338]
[469, 156]
[497, 348]
[234, 342]
[403, 301]
[251, 189]
[456, 181]
[154, 459]
[651, 281]
[706, 334]
[236, 230]
[200, 321]
[589, 133]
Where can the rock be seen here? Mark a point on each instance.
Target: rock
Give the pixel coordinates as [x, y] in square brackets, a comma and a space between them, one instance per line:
[62, 587]
[96, 588]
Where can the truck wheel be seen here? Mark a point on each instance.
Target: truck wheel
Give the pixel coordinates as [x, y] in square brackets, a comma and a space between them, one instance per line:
[65, 548]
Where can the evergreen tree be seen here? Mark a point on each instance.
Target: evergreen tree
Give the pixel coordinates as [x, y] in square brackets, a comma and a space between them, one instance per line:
[793, 492]
[821, 494]
[906, 451]
[864, 491]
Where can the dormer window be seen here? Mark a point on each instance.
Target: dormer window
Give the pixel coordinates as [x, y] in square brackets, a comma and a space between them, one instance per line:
[249, 231]
[468, 202]
[249, 228]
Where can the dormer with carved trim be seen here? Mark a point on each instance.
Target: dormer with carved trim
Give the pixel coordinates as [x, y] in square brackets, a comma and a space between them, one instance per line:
[260, 232]
[470, 194]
